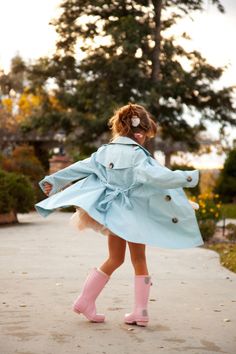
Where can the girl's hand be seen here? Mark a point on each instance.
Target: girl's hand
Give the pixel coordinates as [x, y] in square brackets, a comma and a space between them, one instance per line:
[194, 205]
[47, 187]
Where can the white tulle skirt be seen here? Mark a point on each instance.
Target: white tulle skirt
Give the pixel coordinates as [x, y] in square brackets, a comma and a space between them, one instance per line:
[81, 220]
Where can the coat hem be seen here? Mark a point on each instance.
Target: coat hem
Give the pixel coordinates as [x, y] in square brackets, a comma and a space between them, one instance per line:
[49, 211]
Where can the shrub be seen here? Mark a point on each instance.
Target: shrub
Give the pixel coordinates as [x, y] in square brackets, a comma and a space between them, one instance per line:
[210, 207]
[207, 228]
[209, 212]
[226, 183]
[231, 232]
[24, 161]
[6, 199]
[16, 193]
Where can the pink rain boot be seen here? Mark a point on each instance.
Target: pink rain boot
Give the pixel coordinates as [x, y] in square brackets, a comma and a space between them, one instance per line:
[85, 303]
[140, 314]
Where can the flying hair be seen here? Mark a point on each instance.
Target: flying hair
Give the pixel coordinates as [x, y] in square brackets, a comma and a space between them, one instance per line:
[131, 117]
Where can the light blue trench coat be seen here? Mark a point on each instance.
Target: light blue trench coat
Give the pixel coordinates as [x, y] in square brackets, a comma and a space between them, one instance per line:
[125, 189]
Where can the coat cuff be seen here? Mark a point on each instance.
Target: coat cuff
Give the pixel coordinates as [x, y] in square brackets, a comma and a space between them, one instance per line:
[49, 179]
[192, 178]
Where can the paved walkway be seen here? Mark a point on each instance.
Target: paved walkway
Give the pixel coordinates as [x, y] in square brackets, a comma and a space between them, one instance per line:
[220, 223]
[43, 265]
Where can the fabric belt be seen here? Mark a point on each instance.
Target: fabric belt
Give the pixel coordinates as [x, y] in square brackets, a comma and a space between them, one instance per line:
[113, 192]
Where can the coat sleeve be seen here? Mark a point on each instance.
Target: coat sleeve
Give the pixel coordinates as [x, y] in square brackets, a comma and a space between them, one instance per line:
[150, 171]
[76, 171]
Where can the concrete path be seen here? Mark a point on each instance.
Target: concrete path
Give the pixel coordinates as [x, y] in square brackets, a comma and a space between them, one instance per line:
[225, 222]
[43, 264]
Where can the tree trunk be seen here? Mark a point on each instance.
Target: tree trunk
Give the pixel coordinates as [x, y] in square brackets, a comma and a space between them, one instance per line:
[156, 69]
[168, 159]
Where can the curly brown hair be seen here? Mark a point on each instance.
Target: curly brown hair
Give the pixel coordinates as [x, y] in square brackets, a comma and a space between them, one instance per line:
[121, 125]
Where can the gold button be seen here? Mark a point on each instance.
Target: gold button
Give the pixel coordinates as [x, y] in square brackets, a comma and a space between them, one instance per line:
[189, 179]
[174, 220]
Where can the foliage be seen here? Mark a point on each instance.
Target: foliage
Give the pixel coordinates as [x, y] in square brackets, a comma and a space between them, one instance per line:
[226, 183]
[231, 232]
[128, 56]
[208, 214]
[229, 211]
[16, 79]
[18, 105]
[227, 254]
[6, 199]
[24, 161]
[207, 228]
[209, 206]
[16, 193]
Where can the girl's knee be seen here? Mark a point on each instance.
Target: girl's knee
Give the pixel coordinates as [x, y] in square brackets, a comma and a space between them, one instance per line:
[116, 262]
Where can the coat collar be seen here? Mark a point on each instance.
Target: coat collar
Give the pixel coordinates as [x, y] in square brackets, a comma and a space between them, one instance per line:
[128, 141]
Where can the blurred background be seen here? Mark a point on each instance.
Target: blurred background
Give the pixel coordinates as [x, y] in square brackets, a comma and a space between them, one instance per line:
[65, 66]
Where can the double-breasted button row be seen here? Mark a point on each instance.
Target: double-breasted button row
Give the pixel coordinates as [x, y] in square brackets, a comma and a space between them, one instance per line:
[168, 198]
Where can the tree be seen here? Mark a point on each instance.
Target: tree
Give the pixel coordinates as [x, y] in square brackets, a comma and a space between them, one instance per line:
[226, 183]
[136, 62]
[16, 79]
[19, 102]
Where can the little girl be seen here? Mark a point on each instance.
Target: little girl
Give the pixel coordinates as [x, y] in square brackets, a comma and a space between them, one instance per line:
[125, 194]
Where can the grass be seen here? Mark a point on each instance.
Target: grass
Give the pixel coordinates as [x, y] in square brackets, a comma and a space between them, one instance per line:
[227, 252]
[229, 211]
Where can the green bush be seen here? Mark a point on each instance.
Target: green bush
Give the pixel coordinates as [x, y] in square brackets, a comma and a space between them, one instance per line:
[231, 232]
[16, 193]
[210, 207]
[208, 214]
[226, 183]
[207, 228]
[24, 161]
[6, 199]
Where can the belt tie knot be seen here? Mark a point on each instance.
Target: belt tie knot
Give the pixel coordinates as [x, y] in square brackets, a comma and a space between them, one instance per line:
[111, 193]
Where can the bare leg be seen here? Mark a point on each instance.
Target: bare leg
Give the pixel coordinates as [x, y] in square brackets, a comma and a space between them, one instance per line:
[142, 283]
[116, 247]
[138, 258]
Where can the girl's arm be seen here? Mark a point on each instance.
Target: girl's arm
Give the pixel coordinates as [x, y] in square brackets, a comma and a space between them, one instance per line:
[151, 172]
[76, 171]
